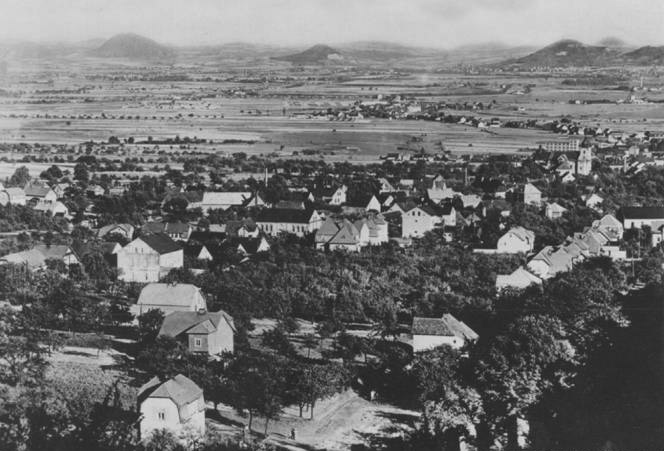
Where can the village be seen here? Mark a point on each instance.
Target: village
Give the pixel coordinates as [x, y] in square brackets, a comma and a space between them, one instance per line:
[157, 263]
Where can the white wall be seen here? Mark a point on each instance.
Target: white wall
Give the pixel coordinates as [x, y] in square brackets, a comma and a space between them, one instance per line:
[428, 342]
[150, 421]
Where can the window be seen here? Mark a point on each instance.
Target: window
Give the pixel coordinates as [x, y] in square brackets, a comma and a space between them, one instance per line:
[197, 342]
[162, 415]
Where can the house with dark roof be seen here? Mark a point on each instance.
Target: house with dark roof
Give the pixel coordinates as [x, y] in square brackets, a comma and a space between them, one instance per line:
[177, 230]
[637, 217]
[203, 332]
[273, 221]
[39, 192]
[430, 333]
[362, 205]
[148, 258]
[176, 405]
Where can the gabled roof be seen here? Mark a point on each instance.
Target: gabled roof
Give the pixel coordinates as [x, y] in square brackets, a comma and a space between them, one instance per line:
[347, 235]
[179, 294]
[126, 228]
[447, 326]
[52, 251]
[176, 323]
[160, 243]
[285, 215]
[36, 190]
[180, 389]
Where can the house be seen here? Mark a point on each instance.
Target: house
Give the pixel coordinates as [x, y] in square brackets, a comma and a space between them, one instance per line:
[176, 405]
[554, 210]
[197, 252]
[594, 201]
[178, 230]
[637, 217]
[148, 258]
[36, 257]
[95, 190]
[226, 200]
[519, 279]
[55, 208]
[385, 186]
[422, 219]
[60, 189]
[516, 240]
[346, 235]
[529, 194]
[338, 197]
[170, 297]
[610, 227]
[13, 196]
[440, 192]
[363, 205]
[551, 261]
[203, 332]
[124, 230]
[274, 221]
[430, 333]
[39, 192]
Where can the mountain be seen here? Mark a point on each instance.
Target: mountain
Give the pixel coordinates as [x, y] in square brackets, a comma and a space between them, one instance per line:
[567, 53]
[381, 51]
[313, 55]
[613, 43]
[133, 46]
[645, 56]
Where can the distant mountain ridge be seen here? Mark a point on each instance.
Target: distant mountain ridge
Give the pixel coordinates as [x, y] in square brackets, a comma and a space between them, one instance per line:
[133, 46]
[317, 54]
[567, 53]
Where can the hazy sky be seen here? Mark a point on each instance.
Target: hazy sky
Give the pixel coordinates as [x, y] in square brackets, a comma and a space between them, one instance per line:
[437, 23]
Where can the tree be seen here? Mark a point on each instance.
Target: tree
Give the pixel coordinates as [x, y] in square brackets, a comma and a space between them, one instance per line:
[450, 406]
[256, 383]
[149, 324]
[81, 173]
[23, 356]
[20, 177]
[515, 368]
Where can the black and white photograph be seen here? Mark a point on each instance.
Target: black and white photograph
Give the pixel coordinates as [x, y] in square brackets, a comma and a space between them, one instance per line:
[331, 225]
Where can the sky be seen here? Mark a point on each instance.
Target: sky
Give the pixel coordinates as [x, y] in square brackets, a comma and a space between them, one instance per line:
[430, 23]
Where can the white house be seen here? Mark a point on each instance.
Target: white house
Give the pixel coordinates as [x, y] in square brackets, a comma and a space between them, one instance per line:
[554, 210]
[422, 219]
[168, 297]
[594, 201]
[516, 240]
[176, 405]
[430, 333]
[148, 258]
[13, 196]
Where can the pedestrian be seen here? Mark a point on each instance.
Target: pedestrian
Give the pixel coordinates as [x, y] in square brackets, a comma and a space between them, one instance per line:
[292, 433]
